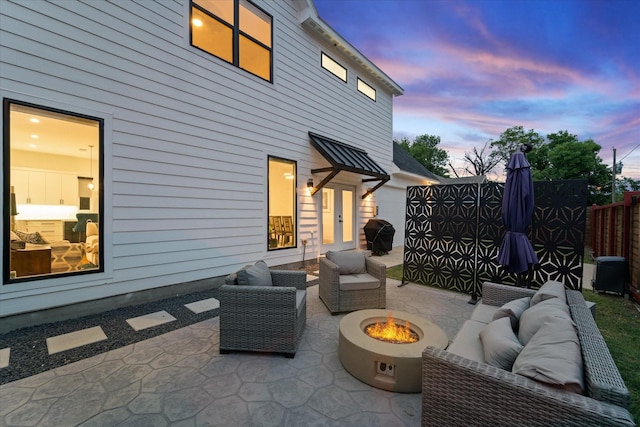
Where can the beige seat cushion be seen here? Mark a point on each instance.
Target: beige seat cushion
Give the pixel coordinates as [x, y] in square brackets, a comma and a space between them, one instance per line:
[483, 313]
[467, 341]
[355, 282]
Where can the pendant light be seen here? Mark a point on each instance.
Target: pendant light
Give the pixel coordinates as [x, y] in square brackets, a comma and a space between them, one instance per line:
[91, 185]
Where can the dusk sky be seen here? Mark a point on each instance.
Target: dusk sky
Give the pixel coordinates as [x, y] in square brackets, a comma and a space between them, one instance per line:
[472, 69]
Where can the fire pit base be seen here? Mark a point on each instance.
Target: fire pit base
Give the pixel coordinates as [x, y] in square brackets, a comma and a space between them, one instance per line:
[392, 367]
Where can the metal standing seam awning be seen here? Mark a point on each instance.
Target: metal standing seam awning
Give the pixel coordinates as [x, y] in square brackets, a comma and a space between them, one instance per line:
[344, 157]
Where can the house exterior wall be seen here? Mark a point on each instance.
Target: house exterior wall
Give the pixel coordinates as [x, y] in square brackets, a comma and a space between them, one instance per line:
[187, 135]
[391, 200]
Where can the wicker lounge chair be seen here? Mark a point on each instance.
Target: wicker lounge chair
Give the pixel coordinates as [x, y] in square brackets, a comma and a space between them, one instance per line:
[342, 292]
[263, 318]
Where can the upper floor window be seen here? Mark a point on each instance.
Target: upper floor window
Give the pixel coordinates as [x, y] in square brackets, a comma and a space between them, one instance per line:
[54, 172]
[366, 89]
[333, 67]
[236, 31]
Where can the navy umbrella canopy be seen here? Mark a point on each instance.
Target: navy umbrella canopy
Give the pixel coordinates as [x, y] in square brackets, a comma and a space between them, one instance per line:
[516, 253]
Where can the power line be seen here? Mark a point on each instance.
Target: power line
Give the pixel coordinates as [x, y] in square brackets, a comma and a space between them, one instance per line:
[629, 152]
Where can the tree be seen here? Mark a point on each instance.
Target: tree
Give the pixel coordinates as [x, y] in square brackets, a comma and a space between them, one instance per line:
[560, 156]
[511, 139]
[425, 150]
[478, 163]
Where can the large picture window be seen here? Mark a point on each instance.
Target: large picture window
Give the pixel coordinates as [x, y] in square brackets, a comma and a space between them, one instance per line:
[52, 193]
[282, 226]
[236, 31]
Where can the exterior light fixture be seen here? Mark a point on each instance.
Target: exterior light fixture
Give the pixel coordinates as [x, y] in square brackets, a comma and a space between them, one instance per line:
[310, 183]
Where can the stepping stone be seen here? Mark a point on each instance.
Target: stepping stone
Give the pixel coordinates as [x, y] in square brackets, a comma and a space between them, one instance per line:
[311, 278]
[150, 320]
[75, 339]
[5, 353]
[203, 305]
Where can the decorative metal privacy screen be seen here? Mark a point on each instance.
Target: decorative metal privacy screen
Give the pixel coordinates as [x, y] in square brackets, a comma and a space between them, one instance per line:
[453, 233]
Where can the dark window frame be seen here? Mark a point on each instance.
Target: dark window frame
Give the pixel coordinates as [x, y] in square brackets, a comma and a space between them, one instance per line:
[6, 192]
[375, 98]
[235, 28]
[346, 71]
[295, 201]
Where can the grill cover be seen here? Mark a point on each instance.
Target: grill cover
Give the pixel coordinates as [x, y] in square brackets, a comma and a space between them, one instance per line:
[379, 234]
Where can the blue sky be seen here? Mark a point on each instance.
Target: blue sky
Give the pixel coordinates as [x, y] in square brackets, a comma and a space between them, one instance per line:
[471, 69]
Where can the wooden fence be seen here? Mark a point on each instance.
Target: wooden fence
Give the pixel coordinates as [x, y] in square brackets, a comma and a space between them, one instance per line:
[615, 231]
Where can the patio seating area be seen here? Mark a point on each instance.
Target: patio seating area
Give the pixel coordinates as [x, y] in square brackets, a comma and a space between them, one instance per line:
[181, 378]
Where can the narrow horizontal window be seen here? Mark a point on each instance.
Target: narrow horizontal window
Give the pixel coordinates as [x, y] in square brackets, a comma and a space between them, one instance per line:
[366, 89]
[333, 67]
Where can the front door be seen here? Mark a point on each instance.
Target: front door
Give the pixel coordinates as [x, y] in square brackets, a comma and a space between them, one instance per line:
[338, 218]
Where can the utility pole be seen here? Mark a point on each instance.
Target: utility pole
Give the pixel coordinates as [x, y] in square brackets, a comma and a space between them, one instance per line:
[613, 181]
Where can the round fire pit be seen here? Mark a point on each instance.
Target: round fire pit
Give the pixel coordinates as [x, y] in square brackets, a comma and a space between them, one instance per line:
[385, 365]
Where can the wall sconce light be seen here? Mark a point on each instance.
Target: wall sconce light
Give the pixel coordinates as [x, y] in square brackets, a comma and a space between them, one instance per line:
[310, 183]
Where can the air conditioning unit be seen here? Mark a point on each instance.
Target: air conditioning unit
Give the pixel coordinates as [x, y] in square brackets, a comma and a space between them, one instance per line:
[610, 274]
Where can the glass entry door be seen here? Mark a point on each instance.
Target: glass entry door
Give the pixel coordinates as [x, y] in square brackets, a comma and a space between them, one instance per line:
[338, 218]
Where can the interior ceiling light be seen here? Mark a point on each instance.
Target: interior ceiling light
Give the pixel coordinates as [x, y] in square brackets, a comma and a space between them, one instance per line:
[32, 145]
[34, 136]
[34, 120]
[196, 22]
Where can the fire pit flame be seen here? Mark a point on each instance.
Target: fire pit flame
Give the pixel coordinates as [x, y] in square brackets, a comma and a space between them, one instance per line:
[389, 331]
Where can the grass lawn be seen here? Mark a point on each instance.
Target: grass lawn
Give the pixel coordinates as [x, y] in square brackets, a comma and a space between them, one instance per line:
[619, 322]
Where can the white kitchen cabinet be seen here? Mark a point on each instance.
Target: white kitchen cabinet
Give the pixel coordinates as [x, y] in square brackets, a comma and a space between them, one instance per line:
[44, 188]
[51, 230]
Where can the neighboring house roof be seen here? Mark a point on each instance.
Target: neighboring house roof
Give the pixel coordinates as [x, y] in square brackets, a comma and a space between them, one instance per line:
[480, 179]
[406, 163]
[308, 16]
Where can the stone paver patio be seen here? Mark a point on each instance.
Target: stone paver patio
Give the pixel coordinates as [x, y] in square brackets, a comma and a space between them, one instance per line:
[180, 379]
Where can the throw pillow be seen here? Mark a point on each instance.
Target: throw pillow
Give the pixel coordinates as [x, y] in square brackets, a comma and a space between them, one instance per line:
[551, 289]
[256, 275]
[500, 344]
[33, 238]
[553, 356]
[14, 236]
[534, 317]
[513, 310]
[350, 262]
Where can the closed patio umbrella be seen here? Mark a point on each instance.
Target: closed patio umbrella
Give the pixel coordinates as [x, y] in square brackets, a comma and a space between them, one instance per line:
[516, 253]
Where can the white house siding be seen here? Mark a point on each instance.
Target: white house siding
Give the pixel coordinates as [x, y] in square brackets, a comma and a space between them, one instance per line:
[186, 135]
[391, 200]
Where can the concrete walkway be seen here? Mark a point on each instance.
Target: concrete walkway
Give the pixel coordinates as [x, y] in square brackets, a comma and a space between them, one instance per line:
[180, 379]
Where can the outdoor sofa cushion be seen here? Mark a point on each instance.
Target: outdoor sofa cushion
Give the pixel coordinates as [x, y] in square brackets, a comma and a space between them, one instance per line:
[513, 310]
[500, 344]
[551, 289]
[256, 275]
[553, 356]
[534, 317]
[348, 262]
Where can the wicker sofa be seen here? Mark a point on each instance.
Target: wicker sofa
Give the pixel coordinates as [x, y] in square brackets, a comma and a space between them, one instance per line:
[457, 390]
[350, 281]
[263, 318]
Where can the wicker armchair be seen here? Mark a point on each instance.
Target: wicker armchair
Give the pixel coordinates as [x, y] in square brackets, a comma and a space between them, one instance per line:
[342, 292]
[264, 318]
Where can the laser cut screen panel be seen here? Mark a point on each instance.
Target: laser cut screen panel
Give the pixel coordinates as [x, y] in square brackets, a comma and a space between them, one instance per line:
[453, 233]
